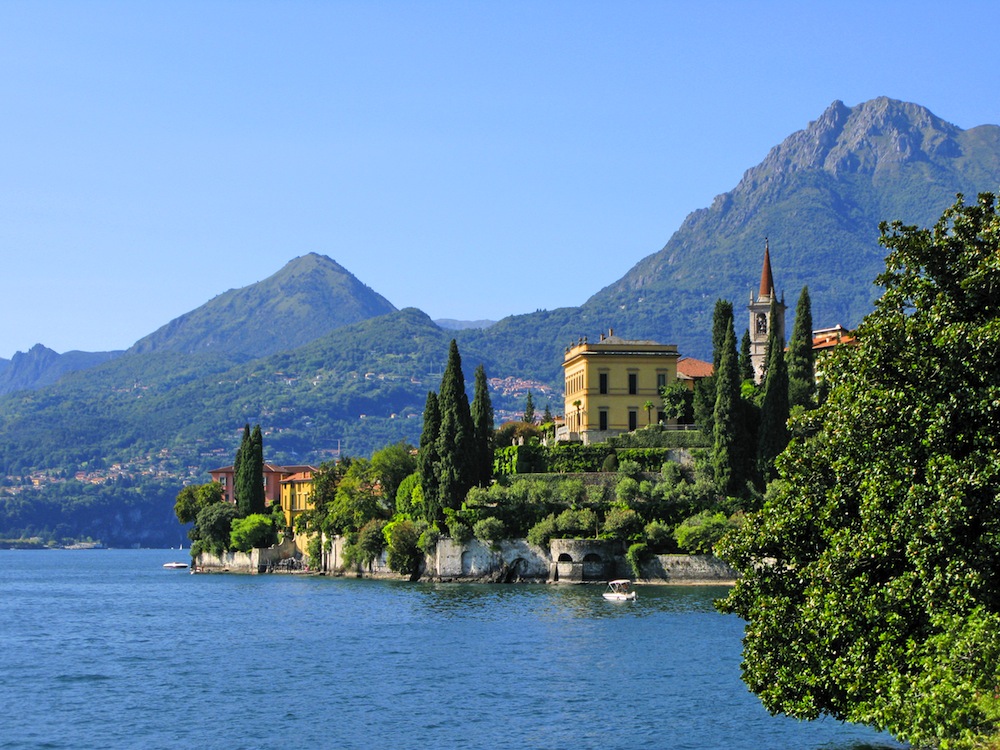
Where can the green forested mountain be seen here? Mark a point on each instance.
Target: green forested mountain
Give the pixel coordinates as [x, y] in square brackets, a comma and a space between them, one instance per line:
[309, 297]
[320, 360]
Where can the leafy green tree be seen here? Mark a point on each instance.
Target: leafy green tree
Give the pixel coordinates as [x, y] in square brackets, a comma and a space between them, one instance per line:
[256, 531]
[403, 552]
[698, 534]
[800, 359]
[214, 525]
[427, 458]
[391, 466]
[193, 498]
[456, 448]
[489, 530]
[358, 499]
[772, 435]
[869, 579]
[482, 423]
[623, 524]
[678, 403]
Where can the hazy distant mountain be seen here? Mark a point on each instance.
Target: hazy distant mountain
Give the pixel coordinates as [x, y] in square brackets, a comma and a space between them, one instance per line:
[460, 325]
[41, 366]
[311, 296]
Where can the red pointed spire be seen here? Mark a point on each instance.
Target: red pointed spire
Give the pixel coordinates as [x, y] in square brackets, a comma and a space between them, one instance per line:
[766, 278]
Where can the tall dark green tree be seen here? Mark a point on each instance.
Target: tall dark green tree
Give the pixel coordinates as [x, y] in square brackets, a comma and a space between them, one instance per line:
[456, 443]
[722, 323]
[427, 458]
[242, 480]
[482, 422]
[869, 580]
[800, 359]
[257, 499]
[529, 409]
[729, 450]
[745, 362]
[772, 434]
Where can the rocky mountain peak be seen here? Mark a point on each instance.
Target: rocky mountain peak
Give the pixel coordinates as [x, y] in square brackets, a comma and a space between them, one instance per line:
[872, 137]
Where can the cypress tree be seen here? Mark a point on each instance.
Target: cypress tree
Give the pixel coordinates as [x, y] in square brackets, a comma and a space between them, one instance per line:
[257, 500]
[529, 409]
[242, 490]
[427, 457]
[456, 440]
[482, 422]
[729, 444]
[722, 323]
[746, 364]
[772, 436]
[800, 359]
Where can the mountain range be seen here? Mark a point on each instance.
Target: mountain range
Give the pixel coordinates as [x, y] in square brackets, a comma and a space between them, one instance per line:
[320, 360]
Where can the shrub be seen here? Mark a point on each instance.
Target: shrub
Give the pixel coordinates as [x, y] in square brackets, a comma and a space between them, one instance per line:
[458, 530]
[254, 531]
[659, 536]
[610, 463]
[542, 532]
[699, 533]
[636, 555]
[576, 523]
[371, 541]
[403, 543]
[489, 531]
[627, 489]
[623, 524]
[628, 467]
[314, 549]
[428, 540]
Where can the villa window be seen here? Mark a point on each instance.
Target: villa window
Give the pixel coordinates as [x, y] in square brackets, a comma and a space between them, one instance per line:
[603, 383]
[633, 383]
[633, 420]
[603, 420]
[661, 381]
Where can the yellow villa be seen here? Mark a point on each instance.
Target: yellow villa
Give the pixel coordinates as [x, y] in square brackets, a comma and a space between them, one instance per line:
[613, 386]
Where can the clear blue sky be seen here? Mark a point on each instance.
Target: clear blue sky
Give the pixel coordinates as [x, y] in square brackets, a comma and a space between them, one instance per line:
[472, 159]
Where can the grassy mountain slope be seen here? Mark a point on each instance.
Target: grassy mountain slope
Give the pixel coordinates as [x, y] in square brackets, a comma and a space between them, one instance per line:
[311, 296]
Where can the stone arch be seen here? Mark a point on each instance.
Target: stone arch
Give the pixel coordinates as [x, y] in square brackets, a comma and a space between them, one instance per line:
[565, 557]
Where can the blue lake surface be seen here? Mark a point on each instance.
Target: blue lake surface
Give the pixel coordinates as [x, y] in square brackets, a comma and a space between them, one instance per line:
[106, 649]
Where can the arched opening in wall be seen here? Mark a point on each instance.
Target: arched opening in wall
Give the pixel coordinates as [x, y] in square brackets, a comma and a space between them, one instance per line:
[565, 557]
[515, 571]
[467, 563]
[593, 567]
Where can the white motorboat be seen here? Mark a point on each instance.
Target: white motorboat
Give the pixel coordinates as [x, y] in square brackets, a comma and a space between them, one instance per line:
[175, 565]
[620, 591]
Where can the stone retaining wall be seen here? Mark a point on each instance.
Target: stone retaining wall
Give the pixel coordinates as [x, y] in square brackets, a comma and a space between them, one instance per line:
[566, 561]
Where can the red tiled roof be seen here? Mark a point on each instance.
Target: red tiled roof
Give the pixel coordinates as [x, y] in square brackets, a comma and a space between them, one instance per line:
[689, 368]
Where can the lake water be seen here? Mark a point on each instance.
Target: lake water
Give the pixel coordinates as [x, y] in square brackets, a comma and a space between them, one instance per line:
[106, 649]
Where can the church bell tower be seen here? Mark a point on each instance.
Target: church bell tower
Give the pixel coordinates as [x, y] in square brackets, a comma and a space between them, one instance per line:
[760, 317]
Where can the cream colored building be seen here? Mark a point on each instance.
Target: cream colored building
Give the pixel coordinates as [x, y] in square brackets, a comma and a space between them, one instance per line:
[613, 386]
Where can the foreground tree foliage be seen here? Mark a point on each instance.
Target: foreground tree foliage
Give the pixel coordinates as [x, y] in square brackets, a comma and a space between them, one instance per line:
[870, 581]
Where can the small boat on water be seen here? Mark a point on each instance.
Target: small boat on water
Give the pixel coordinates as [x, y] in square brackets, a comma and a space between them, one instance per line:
[175, 565]
[620, 591]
